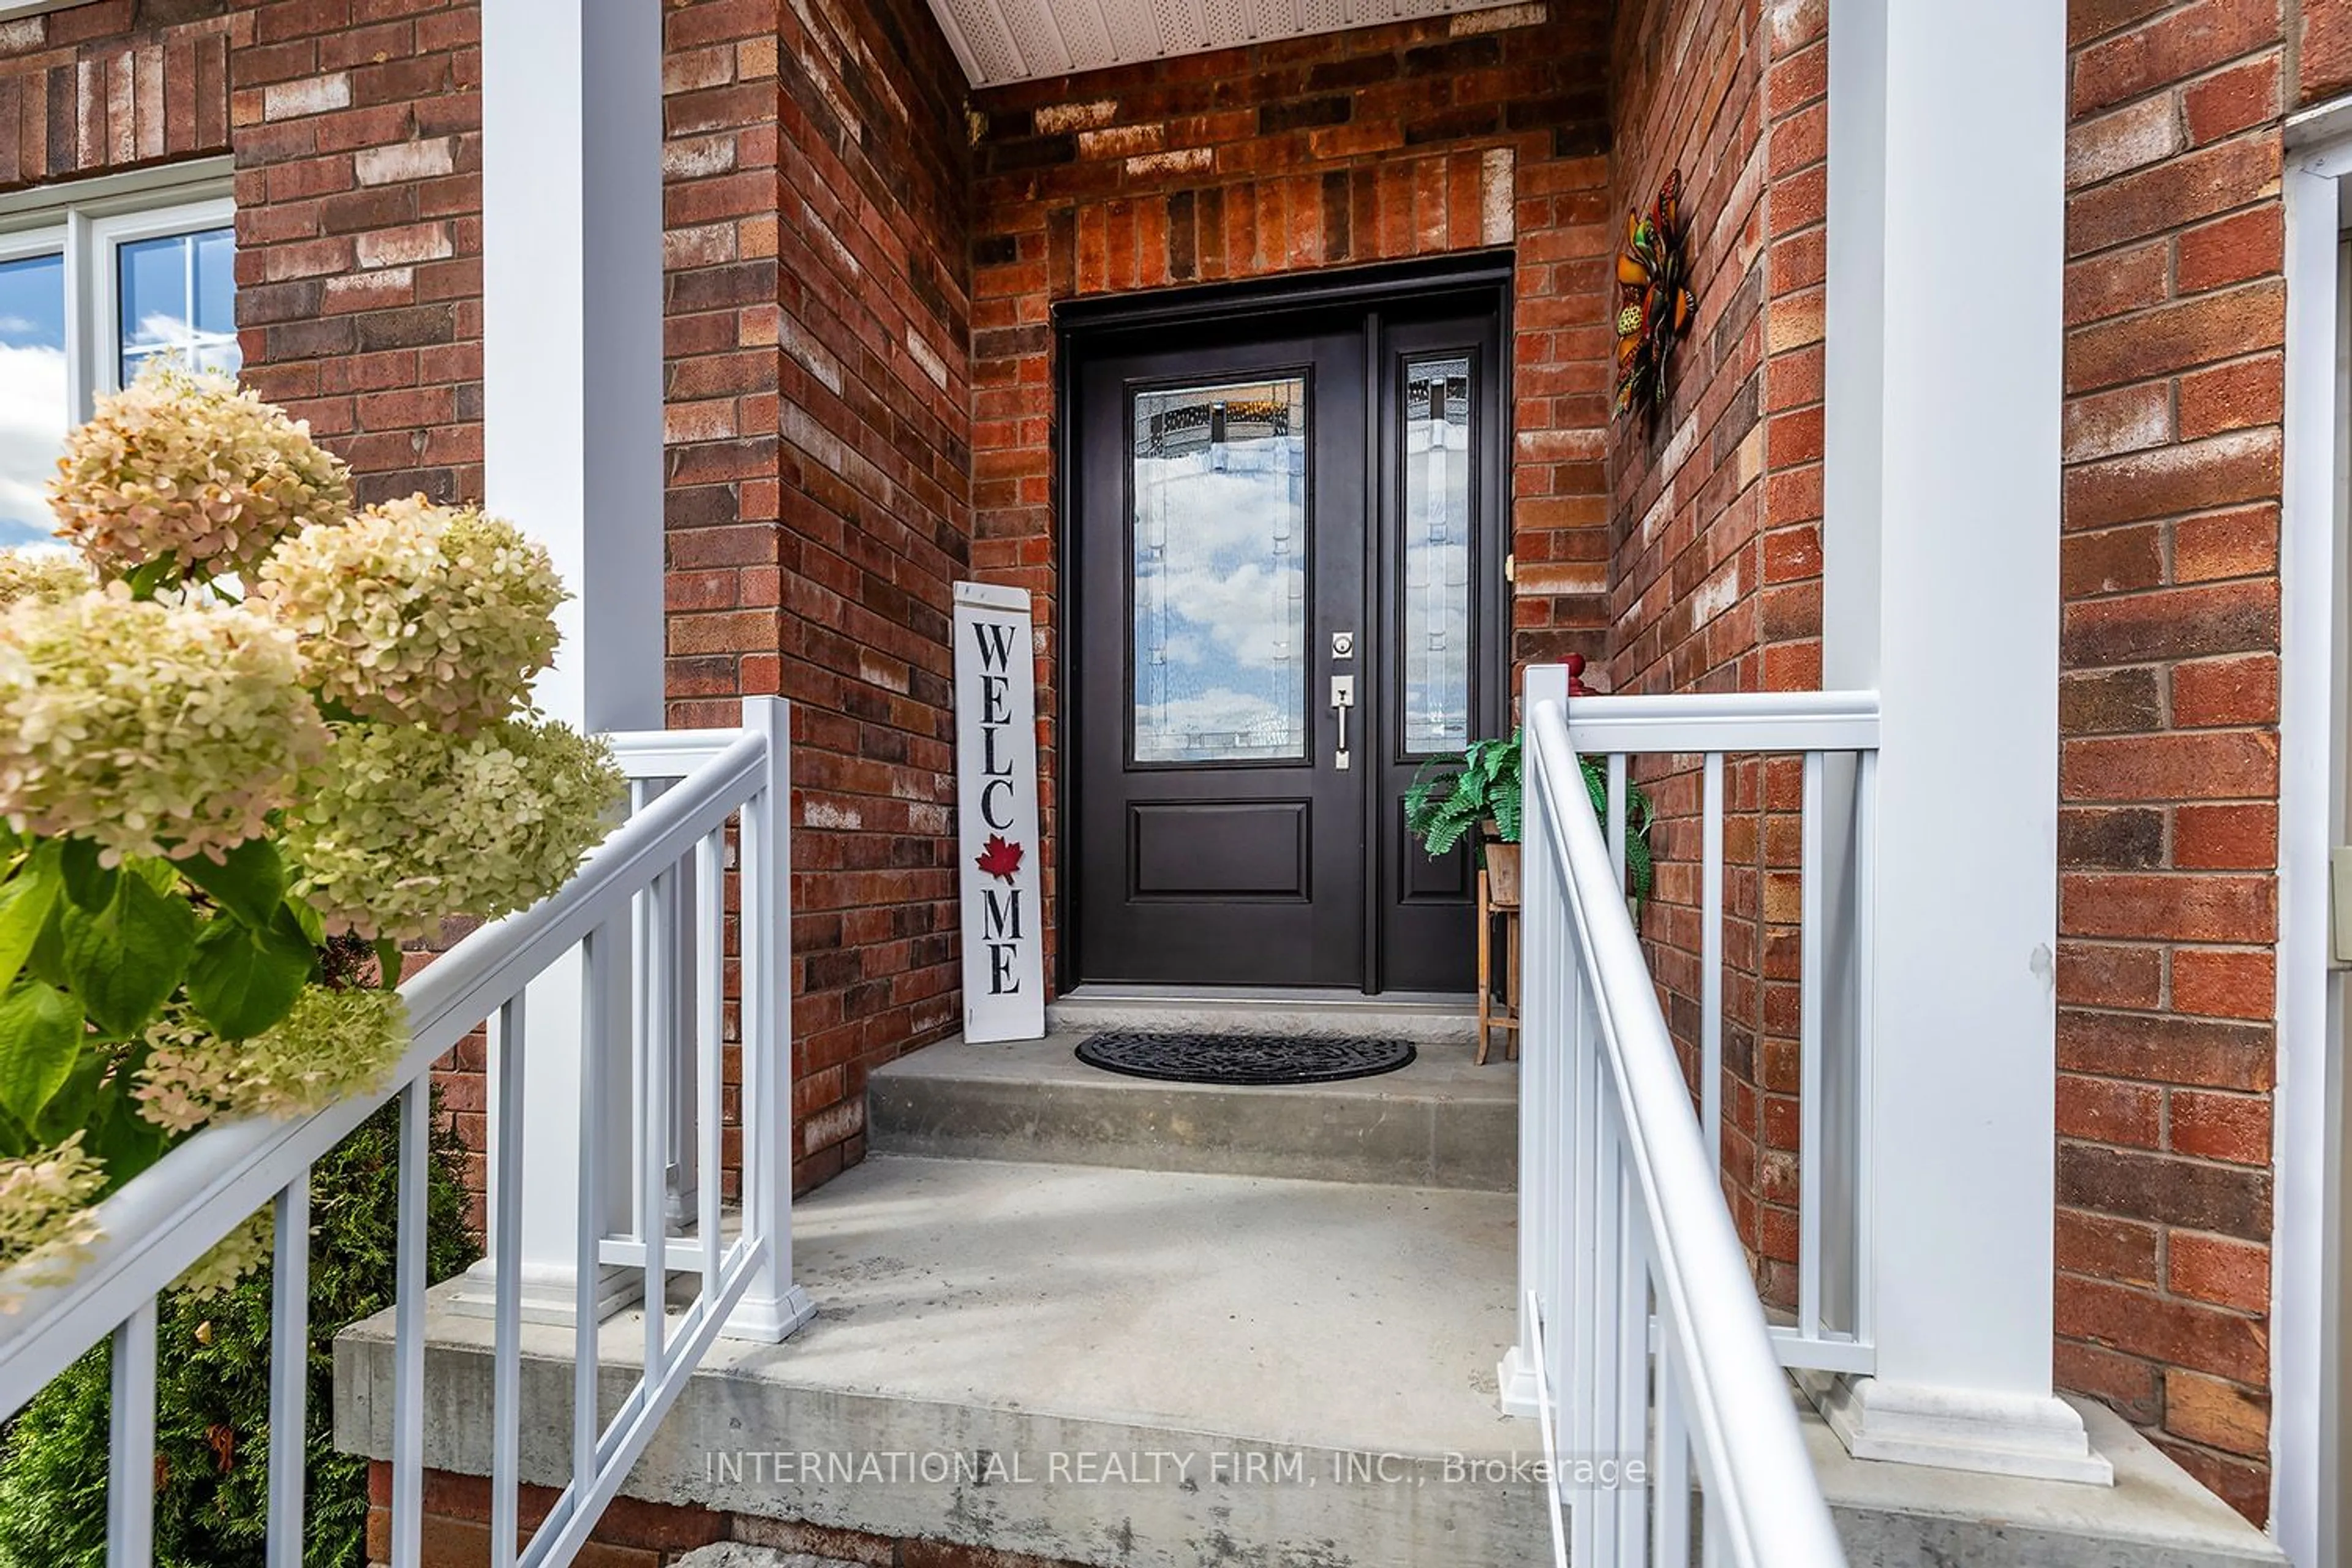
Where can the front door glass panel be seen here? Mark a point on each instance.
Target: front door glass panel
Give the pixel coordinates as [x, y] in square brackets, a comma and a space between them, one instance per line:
[1219, 592]
[1437, 527]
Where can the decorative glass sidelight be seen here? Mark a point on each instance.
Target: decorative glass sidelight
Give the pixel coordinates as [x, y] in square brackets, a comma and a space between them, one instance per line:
[1435, 651]
[1218, 536]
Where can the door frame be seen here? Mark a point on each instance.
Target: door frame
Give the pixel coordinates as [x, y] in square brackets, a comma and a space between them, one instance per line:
[1480, 279]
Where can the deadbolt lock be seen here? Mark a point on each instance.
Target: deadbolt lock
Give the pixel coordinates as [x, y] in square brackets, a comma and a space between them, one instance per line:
[1343, 645]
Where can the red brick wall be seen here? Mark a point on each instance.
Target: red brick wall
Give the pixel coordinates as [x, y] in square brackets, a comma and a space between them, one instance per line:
[2321, 37]
[818, 418]
[819, 460]
[1420, 139]
[2169, 712]
[357, 187]
[80, 95]
[1717, 569]
[636, 1535]
[1715, 509]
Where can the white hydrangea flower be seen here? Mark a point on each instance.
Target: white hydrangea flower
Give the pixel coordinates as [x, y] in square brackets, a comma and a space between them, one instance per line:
[412, 825]
[149, 728]
[46, 1227]
[48, 576]
[232, 1258]
[413, 613]
[331, 1045]
[183, 464]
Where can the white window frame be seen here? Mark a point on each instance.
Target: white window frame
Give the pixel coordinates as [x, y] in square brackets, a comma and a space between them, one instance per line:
[106, 237]
[2310, 1267]
[87, 222]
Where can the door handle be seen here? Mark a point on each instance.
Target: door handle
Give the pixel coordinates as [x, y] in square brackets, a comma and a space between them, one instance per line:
[1343, 697]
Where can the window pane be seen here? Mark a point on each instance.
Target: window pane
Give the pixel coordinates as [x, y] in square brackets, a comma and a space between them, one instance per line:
[178, 297]
[1218, 538]
[1436, 556]
[33, 410]
[217, 281]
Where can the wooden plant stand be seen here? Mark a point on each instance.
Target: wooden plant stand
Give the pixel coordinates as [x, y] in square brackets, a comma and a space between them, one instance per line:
[1499, 893]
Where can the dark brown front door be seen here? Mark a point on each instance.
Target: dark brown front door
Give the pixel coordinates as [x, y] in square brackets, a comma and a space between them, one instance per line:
[1282, 606]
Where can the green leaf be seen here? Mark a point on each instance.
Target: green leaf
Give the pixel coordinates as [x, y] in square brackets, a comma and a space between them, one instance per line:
[250, 883]
[26, 900]
[388, 963]
[40, 1033]
[127, 1141]
[309, 921]
[127, 959]
[71, 1110]
[88, 883]
[47, 959]
[243, 981]
[152, 575]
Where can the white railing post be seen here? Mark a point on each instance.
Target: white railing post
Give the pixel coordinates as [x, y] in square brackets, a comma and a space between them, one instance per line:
[1539, 1243]
[289, 1372]
[131, 1443]
[773, 1306]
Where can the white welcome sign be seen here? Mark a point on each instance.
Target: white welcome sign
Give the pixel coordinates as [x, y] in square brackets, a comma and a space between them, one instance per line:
[996, 814]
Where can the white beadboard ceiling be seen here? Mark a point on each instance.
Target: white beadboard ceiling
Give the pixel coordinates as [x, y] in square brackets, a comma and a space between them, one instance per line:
[1016, 40]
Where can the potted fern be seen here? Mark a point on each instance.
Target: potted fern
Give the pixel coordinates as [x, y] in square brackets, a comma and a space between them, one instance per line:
[1482, 789]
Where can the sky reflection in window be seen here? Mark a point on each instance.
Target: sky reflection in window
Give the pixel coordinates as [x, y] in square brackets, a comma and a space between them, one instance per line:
[1220, 572]
[33, 407]
[1437, 556]
[179, 298]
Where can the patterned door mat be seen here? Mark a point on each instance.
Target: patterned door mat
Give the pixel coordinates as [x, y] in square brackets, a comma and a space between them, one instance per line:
[1244, 1058]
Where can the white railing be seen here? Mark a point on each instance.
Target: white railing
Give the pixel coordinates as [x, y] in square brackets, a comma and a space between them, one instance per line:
[648, 916]
[1644, 1349]
[1830, 741]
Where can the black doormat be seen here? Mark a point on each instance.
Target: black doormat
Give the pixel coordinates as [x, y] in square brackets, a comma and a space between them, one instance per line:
[1244, 1058]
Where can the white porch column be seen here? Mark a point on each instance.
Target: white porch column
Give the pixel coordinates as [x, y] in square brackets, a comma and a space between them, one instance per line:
[572, 288]
[1946, 244]
[1539, 1228]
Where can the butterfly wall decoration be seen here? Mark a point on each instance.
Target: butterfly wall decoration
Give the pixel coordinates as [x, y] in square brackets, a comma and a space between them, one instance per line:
[1654, 303]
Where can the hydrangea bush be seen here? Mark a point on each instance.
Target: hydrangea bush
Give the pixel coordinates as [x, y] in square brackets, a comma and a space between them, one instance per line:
[246, 734]
[183, 476]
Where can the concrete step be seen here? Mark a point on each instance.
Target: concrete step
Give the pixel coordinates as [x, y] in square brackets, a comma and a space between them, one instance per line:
[1139, 1369]
[1439, 1122]
[741, 1554]
[2155, 1516]
[1079, 1365]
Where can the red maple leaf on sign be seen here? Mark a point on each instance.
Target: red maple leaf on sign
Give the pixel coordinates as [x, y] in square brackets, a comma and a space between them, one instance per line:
[998, 857]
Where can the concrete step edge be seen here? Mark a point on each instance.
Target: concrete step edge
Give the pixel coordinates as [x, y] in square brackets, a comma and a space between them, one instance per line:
[1421, 1140]
[743, 1554]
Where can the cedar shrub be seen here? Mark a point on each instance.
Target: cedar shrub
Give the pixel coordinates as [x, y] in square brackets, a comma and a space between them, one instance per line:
[212, 1427]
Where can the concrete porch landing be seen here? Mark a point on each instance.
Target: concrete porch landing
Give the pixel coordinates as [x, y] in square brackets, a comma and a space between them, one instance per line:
[1169, 1369]
[1167, 1349]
